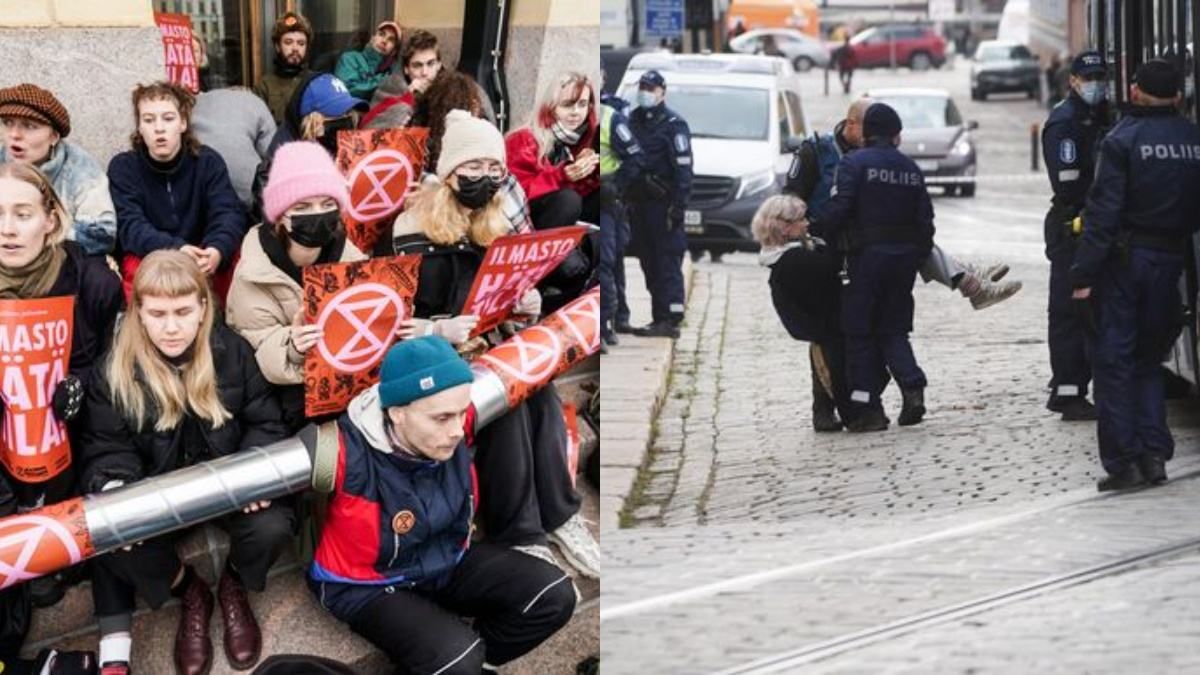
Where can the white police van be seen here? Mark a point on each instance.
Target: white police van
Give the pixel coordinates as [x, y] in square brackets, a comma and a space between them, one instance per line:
[742, 110]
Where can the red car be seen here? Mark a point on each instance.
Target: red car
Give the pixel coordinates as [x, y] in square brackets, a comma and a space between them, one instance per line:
[918, 47]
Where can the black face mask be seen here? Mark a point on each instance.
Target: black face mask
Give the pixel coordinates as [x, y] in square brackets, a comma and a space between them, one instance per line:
[474, 193]
[315, 230]
[329, 138]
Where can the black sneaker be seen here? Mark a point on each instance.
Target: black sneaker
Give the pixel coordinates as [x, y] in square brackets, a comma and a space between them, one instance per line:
[610, 338]
[825, 420]
[658, 329]
[871, 419]
[913, 410]
[622, 327]
[1153, 468]
[47, 591]
[1078, 410]
[1126, 479]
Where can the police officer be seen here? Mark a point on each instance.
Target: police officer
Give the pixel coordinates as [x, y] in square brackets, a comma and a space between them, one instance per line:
[1140, 215]
[1069, 141]
[658, 203]
[882, 217]
[620, 166]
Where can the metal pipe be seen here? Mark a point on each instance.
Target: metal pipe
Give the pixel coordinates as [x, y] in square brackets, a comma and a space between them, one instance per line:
[46, 540]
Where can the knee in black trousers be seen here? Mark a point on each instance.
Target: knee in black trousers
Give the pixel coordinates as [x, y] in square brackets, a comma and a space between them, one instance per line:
[257, 539]
[556, 209]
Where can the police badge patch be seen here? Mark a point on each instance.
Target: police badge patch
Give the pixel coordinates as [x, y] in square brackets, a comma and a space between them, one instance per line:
[1066, 151]
[681, 143]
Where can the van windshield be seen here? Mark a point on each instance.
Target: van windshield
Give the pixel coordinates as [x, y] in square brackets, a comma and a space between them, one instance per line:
[719, 112]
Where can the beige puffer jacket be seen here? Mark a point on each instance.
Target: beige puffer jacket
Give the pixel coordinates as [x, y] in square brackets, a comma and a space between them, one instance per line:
[262, 301]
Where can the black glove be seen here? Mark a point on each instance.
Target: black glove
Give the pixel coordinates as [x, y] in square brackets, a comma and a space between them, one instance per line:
[674, 218]
[1085, 312]
[574, 265]
[68, 398]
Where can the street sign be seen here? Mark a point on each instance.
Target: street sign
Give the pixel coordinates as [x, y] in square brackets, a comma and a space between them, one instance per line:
[664, 18]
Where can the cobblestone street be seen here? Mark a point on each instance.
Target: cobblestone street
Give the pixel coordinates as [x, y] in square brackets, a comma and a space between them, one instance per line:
[974, 542]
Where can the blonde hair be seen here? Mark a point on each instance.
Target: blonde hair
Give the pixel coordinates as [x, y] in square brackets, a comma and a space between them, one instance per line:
[312, 126]
[30, 174]
[143, 383]
[775, 223]
[447, 222]
[571, 85]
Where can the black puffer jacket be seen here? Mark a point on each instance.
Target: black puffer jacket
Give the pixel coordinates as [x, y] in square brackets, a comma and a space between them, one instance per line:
[98, 301]
[446, 275]
[113, 450]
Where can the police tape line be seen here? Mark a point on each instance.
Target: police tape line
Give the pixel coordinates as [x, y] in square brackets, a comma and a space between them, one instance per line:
[999, 178]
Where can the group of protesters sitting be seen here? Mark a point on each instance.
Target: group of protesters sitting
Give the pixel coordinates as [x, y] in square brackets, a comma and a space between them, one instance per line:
[189, 343]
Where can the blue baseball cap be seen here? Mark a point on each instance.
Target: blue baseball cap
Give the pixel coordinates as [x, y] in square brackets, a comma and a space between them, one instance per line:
[1089, 62]
[652, 78]
[329, 96]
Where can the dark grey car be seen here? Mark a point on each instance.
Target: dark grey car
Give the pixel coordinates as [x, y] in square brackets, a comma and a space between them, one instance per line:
[935, 136]
[1004, 67]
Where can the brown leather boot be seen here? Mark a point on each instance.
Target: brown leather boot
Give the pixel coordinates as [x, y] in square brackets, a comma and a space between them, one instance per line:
[193, 647]
[243, 639]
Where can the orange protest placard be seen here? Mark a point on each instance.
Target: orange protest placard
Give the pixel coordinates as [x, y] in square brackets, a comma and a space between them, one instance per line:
[176, 32]
[379, 165]
[359, 306]
[514, 265]
[44, 541]
[35, 348]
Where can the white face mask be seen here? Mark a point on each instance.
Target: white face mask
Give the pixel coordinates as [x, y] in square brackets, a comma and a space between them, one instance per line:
[646, 99]
[1092, 92]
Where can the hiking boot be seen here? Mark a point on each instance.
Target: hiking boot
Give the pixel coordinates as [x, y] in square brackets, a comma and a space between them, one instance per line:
[992, 271]
[1078, 410]
[869, 419]
[193, 646]
[578, 546]
[665, 329]
[913, 409]
[243, 638]
[1128, 478]
[1153, 468]
[990, 293]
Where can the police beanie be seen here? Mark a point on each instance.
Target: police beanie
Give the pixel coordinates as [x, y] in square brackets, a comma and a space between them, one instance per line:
[881, 121]
[466, 138]
[420, 367]
[1157, 77]
[32, 102]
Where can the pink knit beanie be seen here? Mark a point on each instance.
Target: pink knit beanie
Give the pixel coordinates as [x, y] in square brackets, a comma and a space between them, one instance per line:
[300, 170]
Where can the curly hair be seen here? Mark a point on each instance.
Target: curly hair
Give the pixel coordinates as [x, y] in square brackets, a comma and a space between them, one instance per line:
[778, 220]
[420, 40]
[165, 91]
[450, 90]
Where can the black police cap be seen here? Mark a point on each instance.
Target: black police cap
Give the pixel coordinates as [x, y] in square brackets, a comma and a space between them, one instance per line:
[1157, 77]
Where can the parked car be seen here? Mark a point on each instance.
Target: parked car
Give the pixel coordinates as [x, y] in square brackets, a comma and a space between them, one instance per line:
[918, 47]
[803, 51]
[935, 135]
[743, 111]
[1000, 66]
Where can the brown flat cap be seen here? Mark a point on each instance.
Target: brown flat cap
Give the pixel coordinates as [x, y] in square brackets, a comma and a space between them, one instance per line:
[33, 102]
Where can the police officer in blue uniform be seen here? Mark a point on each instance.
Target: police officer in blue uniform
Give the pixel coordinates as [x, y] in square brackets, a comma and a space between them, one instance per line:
[881, 216]
[1138, 223]
[658, 203]
[620, 167]
[1069, 141]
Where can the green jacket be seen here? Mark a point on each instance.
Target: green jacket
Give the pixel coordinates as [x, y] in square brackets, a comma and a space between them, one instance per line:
[357, 71]
[276, 90]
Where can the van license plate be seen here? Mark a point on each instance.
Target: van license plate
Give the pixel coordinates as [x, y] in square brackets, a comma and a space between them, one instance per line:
[691, 218]
[927, 164]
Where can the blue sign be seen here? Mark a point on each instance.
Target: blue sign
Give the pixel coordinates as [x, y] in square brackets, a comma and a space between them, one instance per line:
[664, 18]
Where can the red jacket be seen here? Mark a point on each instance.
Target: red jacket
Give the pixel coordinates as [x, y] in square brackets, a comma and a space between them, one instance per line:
[537, 176]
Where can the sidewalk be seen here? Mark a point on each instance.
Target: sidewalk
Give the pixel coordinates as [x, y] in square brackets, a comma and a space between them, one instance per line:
[634, 378]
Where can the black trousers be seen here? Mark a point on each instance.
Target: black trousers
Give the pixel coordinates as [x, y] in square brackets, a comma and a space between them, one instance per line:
[255, 542]
[517, 601]
[524, 484]
[576, 274]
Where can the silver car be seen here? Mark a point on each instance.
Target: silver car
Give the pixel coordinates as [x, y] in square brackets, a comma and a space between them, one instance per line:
[805, 52]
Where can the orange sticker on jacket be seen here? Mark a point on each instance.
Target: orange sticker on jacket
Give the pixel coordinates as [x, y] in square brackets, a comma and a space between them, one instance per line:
[35, 348]
[379, 166]
[360, 307]
[42, 542]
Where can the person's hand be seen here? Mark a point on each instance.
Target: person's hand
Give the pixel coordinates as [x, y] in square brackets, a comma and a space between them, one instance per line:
[212, 260]
[457, 329]
[195, 253]
[419, 86]
[304, 336]
[530, 303]
[257, 506]
[1085, 313]
[583, 166]
[1081, 293]
[67, 399]
[674, 218]
[410, 328]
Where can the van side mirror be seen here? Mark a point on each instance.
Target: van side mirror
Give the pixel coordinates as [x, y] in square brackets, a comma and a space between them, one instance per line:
[972, 125]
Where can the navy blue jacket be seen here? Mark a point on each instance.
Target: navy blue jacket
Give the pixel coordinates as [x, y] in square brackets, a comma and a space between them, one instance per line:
[1147, 189]
[879, 197]
[193, 202]
[666, 149]
[623, 145]
[1069, 144]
